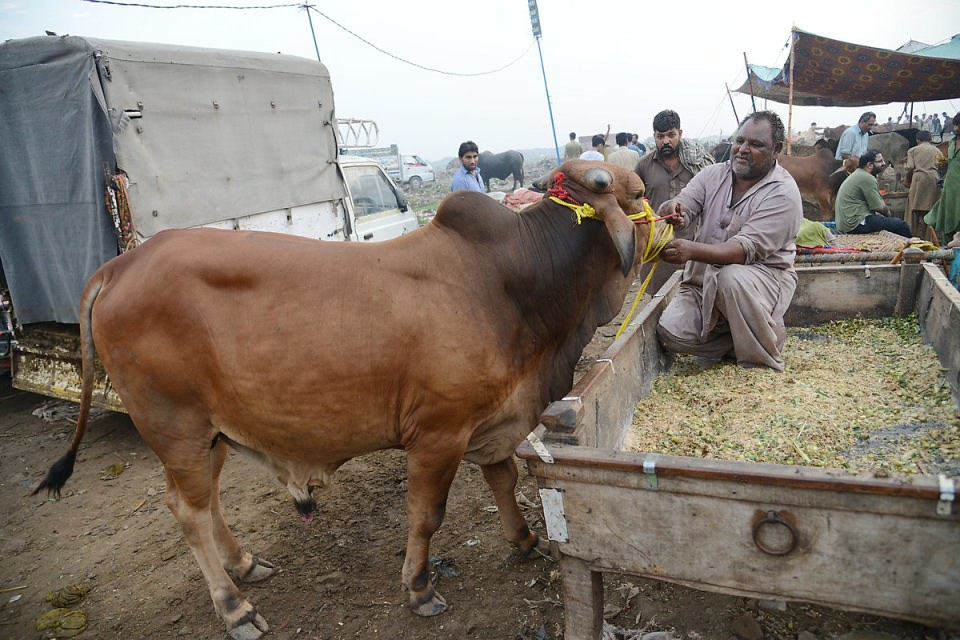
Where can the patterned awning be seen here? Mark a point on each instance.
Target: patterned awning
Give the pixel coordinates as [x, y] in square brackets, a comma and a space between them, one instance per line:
[829, 72]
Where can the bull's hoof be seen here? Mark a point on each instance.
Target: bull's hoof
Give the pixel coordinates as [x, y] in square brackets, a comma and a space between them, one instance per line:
[539, 549]
[251, 627]
[259, 570]
[435, 605]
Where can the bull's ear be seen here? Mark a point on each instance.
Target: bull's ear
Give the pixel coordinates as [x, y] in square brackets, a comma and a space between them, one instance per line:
[621, 232]
[543, 182]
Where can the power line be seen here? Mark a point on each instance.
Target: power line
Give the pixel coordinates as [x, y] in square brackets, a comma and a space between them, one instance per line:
[189, 6]
[414, 64]
[310, 7]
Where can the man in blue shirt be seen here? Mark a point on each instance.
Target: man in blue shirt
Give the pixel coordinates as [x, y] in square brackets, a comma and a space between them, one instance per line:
[855, 139]
[468, 176]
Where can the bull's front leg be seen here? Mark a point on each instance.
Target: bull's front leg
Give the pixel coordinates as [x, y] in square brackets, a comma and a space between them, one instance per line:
[502, 478]
[429, 479]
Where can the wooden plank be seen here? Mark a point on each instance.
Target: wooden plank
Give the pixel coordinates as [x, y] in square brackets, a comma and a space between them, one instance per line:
[875, 563]
[938, 307]
[835, 292]
[629, 469]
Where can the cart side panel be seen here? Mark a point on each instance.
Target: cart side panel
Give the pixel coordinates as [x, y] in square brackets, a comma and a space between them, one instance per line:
[877, 562]
[832, 293]
[598, 410]
[938, 307]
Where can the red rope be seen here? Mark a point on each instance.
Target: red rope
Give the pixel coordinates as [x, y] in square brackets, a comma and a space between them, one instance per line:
[559, 192]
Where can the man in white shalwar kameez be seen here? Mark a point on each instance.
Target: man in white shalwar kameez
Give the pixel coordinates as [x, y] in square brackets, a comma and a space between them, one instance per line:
[739, 277]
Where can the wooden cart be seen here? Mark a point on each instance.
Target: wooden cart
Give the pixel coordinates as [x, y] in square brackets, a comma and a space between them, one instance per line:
[885, 545]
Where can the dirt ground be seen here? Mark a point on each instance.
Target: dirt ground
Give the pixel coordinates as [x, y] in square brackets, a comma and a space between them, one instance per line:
[339, 575]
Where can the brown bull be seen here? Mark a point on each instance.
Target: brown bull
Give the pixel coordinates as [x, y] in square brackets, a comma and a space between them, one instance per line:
[447, 342]
[818, 177]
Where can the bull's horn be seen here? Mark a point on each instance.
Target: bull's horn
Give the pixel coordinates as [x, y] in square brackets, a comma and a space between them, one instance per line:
[542, 183]
[597, 180]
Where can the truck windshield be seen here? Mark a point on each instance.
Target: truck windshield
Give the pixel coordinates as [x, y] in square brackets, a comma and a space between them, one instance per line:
[370, 191]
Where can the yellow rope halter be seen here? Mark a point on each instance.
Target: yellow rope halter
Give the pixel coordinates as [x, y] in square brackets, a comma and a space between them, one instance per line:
[657, 239]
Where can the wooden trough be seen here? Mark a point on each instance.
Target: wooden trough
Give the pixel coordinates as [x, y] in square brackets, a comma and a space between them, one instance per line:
[878, 543]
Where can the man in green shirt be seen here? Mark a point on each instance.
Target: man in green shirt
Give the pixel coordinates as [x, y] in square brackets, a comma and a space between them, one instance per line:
[859, 207]
[573, 149]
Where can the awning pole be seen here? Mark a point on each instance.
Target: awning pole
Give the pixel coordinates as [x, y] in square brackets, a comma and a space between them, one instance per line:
[790, 109]
[746, 64]
[732, 106]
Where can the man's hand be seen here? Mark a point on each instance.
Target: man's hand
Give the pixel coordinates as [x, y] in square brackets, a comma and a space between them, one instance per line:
[677, 251]
[672, 210]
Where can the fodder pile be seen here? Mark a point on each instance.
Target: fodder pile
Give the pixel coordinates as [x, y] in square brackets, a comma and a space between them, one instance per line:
[857, 394]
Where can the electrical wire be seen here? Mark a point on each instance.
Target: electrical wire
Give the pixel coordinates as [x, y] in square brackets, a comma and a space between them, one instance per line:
[310, 7]
[414, 64]
[190, 6]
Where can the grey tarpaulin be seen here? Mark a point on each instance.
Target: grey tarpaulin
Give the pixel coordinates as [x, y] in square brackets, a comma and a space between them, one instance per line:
[204, 135]
[54, 228]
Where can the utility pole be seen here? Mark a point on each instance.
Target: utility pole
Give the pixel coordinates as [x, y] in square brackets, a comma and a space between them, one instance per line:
[310, 20]
[535, 24]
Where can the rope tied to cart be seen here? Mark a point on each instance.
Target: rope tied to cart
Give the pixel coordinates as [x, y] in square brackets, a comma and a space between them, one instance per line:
[118, 205]
[657, 239]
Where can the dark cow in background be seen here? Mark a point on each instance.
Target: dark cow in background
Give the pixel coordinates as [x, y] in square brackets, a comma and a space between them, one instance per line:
[501, 166]
[894, 145]
[478, 322]
[721, 152]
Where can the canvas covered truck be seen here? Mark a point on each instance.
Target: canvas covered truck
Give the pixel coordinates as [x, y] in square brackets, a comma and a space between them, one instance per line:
[107, 143]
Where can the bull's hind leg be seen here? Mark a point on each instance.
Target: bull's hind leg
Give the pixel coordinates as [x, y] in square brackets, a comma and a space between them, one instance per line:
[502, 478]
[429, 479]
[190, 498]
[242, 564]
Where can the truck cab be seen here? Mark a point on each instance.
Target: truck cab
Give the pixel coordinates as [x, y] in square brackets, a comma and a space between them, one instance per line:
[380, 207]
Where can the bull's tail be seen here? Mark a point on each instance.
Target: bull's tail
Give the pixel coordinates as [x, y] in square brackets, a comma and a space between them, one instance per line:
[62, 469]
[521, 170]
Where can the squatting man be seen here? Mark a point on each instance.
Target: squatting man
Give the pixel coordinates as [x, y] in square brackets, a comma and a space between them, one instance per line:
[738, 278]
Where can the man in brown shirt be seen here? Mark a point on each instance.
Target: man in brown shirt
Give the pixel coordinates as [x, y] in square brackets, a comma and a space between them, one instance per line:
[665, 171]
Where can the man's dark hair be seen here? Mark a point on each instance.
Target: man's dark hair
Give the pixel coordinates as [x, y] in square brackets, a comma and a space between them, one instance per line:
[866, 115]
[776, 124]
[870, 155]
[573, 136]
[924, 136]
[956, 119]
[467, 147]
[666, 120]
[597, 140]
[622, 138]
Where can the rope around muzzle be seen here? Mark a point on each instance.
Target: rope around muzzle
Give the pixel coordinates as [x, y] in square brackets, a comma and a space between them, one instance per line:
[657, 239]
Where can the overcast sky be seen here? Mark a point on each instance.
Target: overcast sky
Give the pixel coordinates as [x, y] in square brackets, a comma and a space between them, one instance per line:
[614, 62]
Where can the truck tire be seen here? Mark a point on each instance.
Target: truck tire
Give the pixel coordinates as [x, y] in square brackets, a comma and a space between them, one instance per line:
[415, 182]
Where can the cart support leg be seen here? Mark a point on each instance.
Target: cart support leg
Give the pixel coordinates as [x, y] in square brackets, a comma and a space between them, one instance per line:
[582, 600]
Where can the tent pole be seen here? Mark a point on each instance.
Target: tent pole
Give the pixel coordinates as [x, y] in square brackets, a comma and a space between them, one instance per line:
[732, 106]
[753, 102]
[790, 110]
